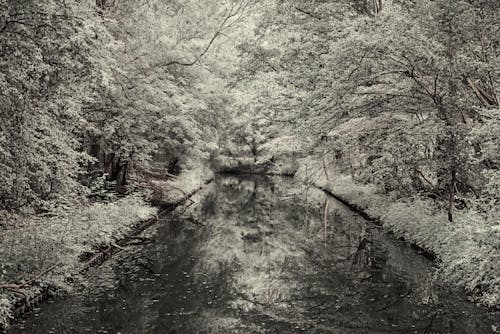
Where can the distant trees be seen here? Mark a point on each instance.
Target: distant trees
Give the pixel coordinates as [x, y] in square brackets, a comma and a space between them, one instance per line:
[248, 135]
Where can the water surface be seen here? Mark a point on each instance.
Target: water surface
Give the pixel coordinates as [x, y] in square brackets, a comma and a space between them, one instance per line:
[255, 255]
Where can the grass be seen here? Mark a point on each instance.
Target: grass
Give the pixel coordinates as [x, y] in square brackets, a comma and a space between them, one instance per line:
[31, 245]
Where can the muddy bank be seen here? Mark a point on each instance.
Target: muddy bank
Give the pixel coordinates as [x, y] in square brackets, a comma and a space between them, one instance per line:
[255, 255]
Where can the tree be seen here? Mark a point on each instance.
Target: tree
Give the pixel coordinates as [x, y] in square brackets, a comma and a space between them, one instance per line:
[47, 61]
[104, 87]
[400, 107]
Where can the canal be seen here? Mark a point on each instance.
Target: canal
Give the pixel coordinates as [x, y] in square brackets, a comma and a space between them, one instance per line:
[260, 255]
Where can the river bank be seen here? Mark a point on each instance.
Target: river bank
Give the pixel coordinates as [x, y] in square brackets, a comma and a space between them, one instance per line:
[47, 254]
[260, 255]
[466, 251]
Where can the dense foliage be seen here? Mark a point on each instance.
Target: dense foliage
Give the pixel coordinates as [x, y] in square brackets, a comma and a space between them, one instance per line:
[402, 94]
[92, 87]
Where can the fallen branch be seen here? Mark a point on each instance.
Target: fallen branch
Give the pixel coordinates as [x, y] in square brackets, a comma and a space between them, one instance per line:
[118, 247]
[136, 240]
[10, 286]
[29, 282]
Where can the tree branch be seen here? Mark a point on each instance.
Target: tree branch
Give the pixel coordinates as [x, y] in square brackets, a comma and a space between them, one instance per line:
[31, 281]
[236, 10]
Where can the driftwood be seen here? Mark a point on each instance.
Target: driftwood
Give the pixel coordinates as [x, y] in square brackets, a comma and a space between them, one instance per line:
[27, 303]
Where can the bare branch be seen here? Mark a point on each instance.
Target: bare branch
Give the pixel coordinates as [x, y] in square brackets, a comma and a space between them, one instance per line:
[232, 15]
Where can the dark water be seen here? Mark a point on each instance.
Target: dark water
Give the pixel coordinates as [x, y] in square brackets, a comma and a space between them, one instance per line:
[258, 256]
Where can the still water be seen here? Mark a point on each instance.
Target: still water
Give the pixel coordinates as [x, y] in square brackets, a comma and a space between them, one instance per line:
[256, 255]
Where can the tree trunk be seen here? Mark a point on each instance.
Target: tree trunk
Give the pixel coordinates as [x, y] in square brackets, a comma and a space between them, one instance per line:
[377, 6]
[325, 166]
[108, 164]
[254, 149]
[115, 168]
[173, 167]
[451, 198]
[121, 178]
[486, 98]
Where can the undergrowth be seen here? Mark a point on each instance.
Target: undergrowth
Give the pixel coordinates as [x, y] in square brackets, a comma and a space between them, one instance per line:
[31, 245]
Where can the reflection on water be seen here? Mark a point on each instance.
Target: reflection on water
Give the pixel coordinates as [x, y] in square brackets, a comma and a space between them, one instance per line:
[261, 256]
